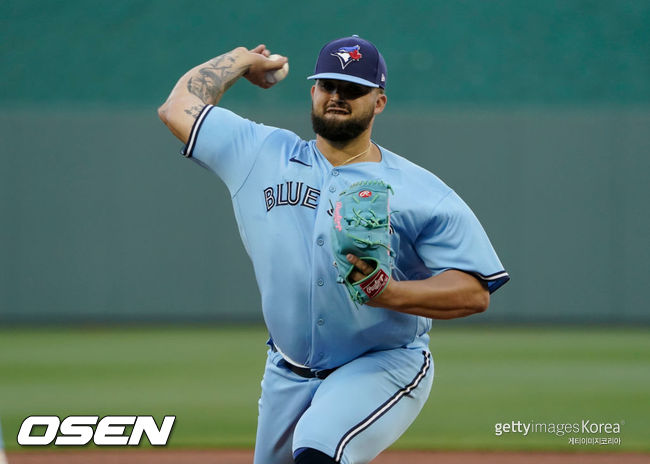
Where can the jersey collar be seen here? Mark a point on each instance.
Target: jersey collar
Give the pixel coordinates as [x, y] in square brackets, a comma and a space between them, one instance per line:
[304, 155]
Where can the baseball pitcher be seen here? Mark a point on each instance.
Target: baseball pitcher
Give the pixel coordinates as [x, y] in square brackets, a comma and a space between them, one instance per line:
[355, 250]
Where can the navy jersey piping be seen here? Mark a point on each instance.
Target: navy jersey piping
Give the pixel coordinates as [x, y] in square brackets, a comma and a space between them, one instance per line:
[196, 127]
[384, 408]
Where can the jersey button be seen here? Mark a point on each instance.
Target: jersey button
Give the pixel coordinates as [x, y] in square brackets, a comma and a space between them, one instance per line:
[332, 189]
[321, 322]
[321, 282]
[335, 172]
[320, 242]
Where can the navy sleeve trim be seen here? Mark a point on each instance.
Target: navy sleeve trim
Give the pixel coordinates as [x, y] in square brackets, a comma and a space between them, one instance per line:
[494, 281]
[196, 127]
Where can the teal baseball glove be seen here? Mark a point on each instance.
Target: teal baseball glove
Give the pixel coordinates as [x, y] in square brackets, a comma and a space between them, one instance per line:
[361, 226]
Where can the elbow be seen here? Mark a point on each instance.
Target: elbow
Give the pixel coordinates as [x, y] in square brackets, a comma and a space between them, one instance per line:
[172, 115]
[475, 301]
[163, 113]
[481, 301]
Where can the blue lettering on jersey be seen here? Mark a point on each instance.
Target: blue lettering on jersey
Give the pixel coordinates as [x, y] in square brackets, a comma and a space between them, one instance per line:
[287, 194]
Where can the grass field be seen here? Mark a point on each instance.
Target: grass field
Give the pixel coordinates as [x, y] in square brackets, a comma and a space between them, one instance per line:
[210, 379]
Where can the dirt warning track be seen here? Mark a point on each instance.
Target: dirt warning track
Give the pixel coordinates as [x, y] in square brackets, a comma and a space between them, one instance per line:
[246, 457]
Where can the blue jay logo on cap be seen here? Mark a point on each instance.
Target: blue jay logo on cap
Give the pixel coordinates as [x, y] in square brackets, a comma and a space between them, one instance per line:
[347, 55]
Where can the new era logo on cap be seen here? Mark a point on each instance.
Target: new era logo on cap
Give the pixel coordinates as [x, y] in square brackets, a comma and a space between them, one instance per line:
[351, 59]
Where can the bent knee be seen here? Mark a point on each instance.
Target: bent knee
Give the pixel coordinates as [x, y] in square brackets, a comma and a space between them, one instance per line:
[312, 456]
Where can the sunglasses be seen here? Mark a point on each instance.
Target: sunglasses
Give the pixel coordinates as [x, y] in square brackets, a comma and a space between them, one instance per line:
[345, 90]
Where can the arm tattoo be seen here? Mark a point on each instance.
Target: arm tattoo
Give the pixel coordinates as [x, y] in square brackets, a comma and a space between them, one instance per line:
[213, 79]
[194, 111]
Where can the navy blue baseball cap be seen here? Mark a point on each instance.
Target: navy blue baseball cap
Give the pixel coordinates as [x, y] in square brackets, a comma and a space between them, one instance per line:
[351, 59]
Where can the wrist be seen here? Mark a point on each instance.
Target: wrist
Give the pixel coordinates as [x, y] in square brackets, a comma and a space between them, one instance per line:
[392, 295]
[241, 59]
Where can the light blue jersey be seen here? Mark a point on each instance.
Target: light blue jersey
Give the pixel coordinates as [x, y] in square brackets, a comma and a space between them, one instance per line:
[283, 191]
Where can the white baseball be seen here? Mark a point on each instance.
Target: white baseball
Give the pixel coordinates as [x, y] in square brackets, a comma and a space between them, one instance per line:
[276, 76]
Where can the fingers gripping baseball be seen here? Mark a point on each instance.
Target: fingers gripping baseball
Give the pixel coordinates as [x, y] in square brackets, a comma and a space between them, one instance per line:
[265, 70]
[261, 50]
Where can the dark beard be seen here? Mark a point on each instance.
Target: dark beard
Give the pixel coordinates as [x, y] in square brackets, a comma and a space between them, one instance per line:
[340, 131]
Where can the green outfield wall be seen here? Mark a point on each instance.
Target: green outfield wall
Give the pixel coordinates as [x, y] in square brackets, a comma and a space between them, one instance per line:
[102, 219]
[537, 113]
[438, 51]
